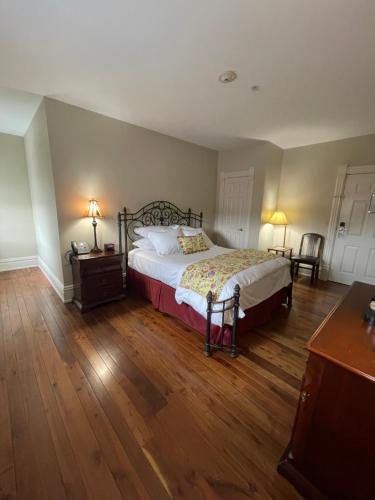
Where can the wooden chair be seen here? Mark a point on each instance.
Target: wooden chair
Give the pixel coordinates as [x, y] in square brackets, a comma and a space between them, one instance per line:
[310, 252]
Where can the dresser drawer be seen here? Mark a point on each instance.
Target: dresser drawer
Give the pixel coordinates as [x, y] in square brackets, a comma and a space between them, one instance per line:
[101, 266]
[103, 286]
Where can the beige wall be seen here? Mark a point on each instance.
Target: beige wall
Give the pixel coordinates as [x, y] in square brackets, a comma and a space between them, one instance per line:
[17, 236]
[308, 180]
[120, 164]
[43, 195]
[266, 159]
[74, 155]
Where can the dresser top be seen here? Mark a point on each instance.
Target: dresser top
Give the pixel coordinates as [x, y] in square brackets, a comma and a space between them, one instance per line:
[344, 337]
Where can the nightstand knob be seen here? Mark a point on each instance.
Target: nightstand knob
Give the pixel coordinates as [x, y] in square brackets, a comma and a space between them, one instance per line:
[304, 396]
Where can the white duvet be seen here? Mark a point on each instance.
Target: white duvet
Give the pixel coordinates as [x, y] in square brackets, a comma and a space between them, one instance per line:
[257, 282]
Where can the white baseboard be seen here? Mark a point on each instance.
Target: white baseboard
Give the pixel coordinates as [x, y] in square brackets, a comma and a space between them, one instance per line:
[65, 293]
[323, 273]
[52, 278]
[18, 263]
[68, 293]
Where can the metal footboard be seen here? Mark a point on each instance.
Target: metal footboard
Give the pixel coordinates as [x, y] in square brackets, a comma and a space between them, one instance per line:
[215, 307]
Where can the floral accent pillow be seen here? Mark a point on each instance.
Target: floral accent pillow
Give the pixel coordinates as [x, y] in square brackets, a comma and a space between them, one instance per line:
[192, 244]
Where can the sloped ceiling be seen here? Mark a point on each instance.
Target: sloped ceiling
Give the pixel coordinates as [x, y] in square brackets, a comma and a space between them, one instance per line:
[156, 64]
[17, 110]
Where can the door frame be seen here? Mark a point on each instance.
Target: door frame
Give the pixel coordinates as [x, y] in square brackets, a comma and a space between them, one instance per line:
[342, 172]
[225, 174]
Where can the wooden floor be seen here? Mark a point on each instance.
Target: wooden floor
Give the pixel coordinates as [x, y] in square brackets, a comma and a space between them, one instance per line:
[121, 403]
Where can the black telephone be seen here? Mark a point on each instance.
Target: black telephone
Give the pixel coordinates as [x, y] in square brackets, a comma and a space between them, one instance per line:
[80, 247]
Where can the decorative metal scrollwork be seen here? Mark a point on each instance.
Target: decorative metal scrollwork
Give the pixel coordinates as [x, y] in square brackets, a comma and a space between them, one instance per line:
[156, 213]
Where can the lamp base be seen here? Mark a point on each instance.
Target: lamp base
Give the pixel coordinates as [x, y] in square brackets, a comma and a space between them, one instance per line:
[96, 249]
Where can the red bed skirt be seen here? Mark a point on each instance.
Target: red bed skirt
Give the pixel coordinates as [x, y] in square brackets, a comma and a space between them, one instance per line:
[163, 298]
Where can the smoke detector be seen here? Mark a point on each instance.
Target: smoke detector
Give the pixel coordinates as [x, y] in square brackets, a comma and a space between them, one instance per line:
[227, 77]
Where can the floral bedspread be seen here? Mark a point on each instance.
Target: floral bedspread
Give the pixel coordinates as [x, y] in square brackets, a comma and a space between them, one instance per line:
[212, 274]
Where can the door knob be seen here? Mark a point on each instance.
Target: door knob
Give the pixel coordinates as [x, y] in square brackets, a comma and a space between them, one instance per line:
[240, 229]
[342, 229]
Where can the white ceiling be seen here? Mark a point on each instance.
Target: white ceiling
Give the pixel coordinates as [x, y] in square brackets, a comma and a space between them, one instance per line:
[155, 63]
[17, 110]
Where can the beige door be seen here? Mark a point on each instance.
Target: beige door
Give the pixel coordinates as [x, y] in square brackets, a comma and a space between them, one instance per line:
[354, 252]
[234, 209]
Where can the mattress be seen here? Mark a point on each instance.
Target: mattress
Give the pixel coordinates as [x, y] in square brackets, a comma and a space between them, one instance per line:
[257, 283]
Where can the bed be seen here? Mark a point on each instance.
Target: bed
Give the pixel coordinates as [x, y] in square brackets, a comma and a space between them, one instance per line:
[247, 299]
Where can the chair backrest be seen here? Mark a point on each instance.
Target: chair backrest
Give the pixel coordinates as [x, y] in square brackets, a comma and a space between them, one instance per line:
[311, 245]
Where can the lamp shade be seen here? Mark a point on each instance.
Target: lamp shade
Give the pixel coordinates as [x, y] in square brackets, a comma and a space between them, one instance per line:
[94, 210]
[278, 219]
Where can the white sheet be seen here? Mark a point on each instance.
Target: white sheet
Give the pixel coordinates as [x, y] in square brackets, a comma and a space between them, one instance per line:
[257, 282]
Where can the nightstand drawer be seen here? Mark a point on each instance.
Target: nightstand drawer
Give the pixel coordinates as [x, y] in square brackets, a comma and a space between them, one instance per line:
[103, 279]
[102, 286]
[101, 266]
[97, 279]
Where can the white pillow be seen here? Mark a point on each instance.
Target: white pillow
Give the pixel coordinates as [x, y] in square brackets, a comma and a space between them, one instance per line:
[143, 231]
[193, 231]
[144, 243]
[165, 243]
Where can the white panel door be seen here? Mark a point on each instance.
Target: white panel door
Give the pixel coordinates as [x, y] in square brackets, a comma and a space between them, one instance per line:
[234, 210]
[354, 251]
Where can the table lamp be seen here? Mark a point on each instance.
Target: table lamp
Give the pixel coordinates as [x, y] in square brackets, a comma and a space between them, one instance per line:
[279, 219]
[94, 212]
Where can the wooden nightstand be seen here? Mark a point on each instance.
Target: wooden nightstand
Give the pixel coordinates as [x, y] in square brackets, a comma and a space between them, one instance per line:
[97, 278]
[282, 250]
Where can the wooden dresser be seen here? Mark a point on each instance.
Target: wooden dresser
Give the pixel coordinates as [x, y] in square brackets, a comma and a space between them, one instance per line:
[97, 278]
[332, 449]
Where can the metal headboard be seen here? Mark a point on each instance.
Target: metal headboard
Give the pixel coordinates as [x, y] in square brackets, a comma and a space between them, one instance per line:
[156, 213]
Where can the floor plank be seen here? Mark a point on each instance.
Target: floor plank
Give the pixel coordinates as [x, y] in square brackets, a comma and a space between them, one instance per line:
[7, 466]
[121, 403]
